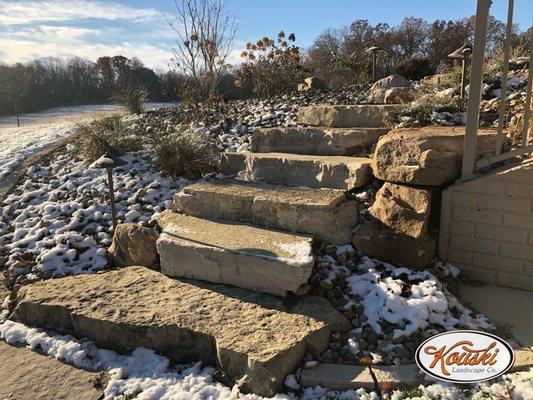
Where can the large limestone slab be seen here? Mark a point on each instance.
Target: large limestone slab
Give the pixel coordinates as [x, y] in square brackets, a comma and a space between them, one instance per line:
[404, 209]
[427, 156]
[237, 254]
[338, 116]
[254, 338]
[318, 141]
[378, 241]
[325, 214]
[25, 374]
[334, 172]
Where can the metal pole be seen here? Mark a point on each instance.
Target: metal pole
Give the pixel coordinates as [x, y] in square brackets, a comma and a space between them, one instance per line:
[505, 72]
[112, 197]
[374, 65]
[463, 76]
[527, 106]
[476, 83]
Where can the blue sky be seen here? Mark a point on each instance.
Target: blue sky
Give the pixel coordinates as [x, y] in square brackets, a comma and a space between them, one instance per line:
[86, 28]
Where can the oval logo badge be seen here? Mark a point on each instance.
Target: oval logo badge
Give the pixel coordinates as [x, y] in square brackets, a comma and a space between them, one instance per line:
[464, 356]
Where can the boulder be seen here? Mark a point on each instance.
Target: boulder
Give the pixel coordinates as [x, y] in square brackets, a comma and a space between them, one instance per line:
[134, 245]
[399, 95]
[312, 83]
[377, 241]
[347, 116]
[425, 156]
[254, 338]
[377, 92]
[404, 209]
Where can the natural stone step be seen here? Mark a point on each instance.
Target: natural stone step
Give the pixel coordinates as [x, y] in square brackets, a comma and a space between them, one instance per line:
[25, 374]
[338, 116]
[254, 338]
[311, 140]
[335, 172]
[346, 377]
[324, 213]
[242, 255]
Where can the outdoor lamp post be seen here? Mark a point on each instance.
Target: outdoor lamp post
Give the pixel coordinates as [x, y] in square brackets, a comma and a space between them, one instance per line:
[108, 162]
[463, 53]
[373, 51]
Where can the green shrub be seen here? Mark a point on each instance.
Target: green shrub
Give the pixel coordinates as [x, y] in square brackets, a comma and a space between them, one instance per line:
[415, 68]
[187, 154]
[132, 99]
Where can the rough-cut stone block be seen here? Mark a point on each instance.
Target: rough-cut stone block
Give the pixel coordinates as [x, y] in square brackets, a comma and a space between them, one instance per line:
[354, 116]
[254, 338]
[404, 209]
[334, 172]
[346, 377]
[318, 141]
[25, 374]
[427, 156]
[227, 252]
[324, 213]
[134, 245]
[382, 243]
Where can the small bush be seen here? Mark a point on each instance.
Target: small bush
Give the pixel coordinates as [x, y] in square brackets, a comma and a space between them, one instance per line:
[132, 99]
[187, 154]
[272, 67]
[105, 135]
[415, 68]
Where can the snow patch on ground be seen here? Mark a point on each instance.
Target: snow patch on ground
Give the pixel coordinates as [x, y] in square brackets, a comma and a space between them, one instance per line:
[148, 376]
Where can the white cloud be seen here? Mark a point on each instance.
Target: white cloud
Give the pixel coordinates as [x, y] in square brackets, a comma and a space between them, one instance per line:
[27, 12]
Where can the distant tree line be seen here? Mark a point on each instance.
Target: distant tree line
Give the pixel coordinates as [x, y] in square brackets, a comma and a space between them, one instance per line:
[338, 55]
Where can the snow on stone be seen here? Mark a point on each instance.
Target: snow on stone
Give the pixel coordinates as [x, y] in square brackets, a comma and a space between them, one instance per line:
[58, 221]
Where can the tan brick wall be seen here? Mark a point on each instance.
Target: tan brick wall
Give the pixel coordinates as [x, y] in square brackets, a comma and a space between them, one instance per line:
[486, 226]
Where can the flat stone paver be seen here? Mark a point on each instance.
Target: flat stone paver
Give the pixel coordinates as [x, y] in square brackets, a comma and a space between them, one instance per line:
[237, 254]
[334, 172]
[27, 375]
[325, 214]
[505, 307]
[256, 339]
[347, 116]
[315, 140]
[345, 377]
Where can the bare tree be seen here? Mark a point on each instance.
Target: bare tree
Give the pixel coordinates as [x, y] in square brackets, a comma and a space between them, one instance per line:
[15, 85]
[205, 32]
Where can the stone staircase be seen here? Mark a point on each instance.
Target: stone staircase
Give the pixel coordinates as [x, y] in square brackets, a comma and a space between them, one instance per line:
[242, 240]
[289, 190]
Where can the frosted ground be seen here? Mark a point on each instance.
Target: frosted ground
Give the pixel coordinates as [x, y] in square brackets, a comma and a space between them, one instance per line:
[58, 223]
[43, 128]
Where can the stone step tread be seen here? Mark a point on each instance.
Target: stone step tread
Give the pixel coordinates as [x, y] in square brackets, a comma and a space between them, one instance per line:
[346, 377]
[265, 191]
[251, 336]
[347, 116]
[227, 235]
[242, 255]
[325, 214]
[335, 172]
[25, 374]
[315, 140]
